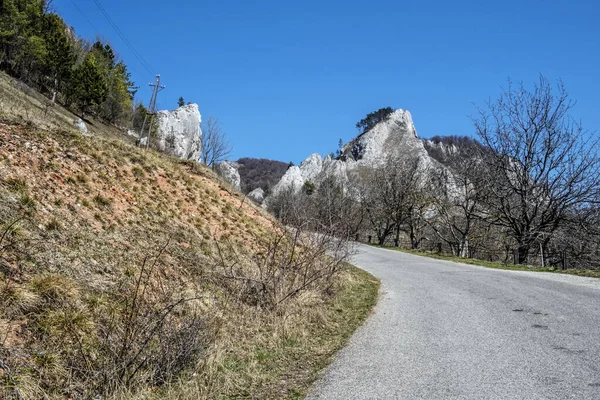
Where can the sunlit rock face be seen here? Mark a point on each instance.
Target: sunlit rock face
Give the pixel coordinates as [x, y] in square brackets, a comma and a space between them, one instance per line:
[257, 195]
[394, 137]
[292, 179]
[228, 170]
[179, 132]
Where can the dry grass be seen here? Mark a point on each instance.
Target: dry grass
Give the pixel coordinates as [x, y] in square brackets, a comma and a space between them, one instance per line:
[277, 355]
[20, 104]
[90, 304]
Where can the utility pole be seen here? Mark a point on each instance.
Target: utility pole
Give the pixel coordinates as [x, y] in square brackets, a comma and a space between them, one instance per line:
[151, 110]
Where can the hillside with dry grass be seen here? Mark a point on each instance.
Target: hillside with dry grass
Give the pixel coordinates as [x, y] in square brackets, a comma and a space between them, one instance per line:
[125, 273]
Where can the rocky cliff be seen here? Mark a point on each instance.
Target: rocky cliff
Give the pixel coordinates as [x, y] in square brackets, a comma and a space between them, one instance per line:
[179, 132]
[228, 170]
[394, 137]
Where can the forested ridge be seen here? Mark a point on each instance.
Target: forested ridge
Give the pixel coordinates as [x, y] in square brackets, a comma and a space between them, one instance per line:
[39, 48]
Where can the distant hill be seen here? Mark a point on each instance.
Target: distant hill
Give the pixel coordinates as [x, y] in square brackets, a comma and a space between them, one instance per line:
[260, 173]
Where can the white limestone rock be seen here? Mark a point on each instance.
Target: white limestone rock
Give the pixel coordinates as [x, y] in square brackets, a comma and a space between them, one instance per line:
[257, 195]
[179, 132]
[80, 125]
[311, 167]
[396, 136]
[228, 170]
[291, 179]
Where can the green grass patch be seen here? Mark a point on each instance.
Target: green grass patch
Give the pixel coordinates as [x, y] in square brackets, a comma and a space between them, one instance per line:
[299, 357]
[496, 265]
[280, 355]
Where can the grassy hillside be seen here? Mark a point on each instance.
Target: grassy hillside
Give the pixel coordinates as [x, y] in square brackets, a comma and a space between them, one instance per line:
[129, 274]
[21, 104]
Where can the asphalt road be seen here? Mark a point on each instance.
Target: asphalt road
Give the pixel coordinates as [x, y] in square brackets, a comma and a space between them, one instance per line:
[443, 330]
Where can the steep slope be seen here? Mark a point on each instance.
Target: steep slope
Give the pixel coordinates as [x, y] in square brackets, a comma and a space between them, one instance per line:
[124, 270]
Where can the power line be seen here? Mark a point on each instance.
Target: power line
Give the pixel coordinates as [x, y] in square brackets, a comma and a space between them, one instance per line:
[129, 67]
[84, 16]
[125, 40]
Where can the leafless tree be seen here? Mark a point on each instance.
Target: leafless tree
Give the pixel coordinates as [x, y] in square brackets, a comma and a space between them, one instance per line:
[215, 146]
[392, 198]
[543, 165]
[458, 212]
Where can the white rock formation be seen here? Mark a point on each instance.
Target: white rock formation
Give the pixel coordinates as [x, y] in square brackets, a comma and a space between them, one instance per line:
[179, 132]
[228, 170]
[257, 195]
[80, 125]
[291, 179]
[396, 136]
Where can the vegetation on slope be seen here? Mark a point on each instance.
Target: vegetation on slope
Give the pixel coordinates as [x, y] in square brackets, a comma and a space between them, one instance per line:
[126, 273]
[40, 49]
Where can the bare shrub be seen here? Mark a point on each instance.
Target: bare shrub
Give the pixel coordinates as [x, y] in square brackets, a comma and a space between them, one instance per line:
[290, 263]
[144, 331]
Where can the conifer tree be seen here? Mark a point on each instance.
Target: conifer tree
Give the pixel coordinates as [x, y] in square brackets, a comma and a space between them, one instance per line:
[89, 86]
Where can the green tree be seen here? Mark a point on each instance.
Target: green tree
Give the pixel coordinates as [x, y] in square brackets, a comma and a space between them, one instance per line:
[89, 86]
[139, 114]
[118, 102]
[105, 56]
[180, 102]
[308, 188]
[22, 47]
[60, 57]
[373, 119]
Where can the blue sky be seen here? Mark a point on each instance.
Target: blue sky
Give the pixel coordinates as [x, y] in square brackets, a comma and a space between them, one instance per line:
[287, 79]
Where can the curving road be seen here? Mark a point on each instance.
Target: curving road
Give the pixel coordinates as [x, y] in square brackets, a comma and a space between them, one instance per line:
[444, 330]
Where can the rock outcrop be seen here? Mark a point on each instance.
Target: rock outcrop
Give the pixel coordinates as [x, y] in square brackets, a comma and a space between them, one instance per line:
[228, 170]
[80, 125]
[257, 195]
[394, 137]
[179, 132]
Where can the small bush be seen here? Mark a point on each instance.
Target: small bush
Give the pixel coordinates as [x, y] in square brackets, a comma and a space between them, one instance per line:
[53, 225]
[102, 201]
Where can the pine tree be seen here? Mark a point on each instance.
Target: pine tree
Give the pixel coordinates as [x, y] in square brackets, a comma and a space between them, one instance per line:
[180, 102]
[60, 57]
[89, 86]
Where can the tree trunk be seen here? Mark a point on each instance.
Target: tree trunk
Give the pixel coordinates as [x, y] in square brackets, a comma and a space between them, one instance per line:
[523, 253]
[464, 248]
[413, 240]
[54, 90]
